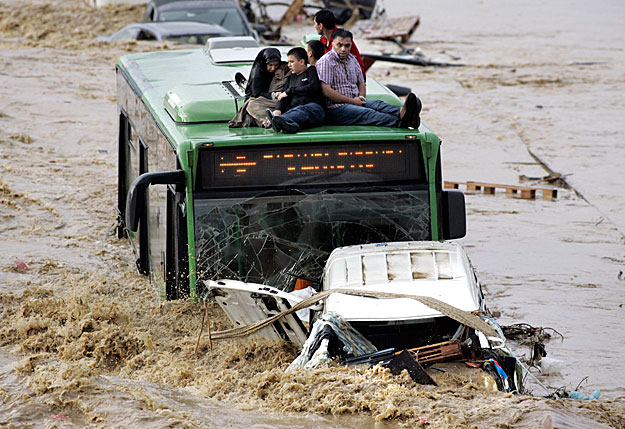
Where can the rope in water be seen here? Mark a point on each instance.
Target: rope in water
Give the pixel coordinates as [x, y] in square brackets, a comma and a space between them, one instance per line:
[469, 319]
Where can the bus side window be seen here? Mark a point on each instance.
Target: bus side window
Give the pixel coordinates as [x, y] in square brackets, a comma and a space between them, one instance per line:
[143, 156]
[123, 171]
[143, 244]
[129, 130]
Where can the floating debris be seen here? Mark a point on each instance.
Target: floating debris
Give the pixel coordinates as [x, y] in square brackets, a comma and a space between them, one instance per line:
[523, 192]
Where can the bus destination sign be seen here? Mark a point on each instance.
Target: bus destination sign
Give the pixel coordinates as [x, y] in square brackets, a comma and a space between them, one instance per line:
[371, 162]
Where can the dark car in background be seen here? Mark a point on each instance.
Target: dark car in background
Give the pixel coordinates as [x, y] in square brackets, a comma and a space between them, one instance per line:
[225, 13]
[187, 32]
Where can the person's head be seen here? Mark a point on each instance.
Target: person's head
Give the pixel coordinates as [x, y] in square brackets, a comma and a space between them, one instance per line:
[273, 66]
[324, 20]
[272, 58]
[342, 43]
[315, 50]
[298, 60]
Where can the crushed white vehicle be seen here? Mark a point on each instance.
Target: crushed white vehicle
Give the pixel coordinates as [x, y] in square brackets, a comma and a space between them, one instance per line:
[419, 297]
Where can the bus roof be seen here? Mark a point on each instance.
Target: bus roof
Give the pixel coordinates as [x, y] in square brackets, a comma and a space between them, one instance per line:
[192, 96]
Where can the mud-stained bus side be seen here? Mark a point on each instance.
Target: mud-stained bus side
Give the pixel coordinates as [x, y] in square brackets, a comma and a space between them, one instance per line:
[144, 148]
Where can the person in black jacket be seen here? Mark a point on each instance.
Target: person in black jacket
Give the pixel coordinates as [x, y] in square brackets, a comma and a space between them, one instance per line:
[300, 103]
[266, 80]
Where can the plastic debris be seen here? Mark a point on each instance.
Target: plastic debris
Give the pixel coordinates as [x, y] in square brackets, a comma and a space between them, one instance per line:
[21, 266]
[304, 314]
[579, 395]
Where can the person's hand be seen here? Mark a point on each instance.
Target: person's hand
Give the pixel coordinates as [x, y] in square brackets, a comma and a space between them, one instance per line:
[282, 95]
[359, 101]
[277, 112]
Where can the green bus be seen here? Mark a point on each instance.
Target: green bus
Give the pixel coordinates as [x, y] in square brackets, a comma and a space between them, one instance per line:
[199, 200]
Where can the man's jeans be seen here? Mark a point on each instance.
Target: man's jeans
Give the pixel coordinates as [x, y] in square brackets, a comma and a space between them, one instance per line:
[305, 116]
[374, 112]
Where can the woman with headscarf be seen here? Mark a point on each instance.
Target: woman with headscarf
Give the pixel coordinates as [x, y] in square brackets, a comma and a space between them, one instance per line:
[267, 79]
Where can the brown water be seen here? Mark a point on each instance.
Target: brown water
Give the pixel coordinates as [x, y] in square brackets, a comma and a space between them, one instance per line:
[86, 341]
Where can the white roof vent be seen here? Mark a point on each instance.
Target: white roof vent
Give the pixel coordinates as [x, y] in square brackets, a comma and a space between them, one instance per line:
[233, 42]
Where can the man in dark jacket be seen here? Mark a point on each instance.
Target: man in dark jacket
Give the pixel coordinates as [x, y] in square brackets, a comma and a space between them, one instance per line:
[299, 104]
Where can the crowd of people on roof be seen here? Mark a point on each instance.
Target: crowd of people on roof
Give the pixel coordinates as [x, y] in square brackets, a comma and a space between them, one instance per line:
[324, 83]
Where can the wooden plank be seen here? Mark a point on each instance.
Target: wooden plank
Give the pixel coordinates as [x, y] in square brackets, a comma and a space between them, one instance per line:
[290, 13]
[549, 194]
[383, 28]
[450, 184]
[473, 186]
[489, 189]
[528, 194]
[525, 192]
[437, 352]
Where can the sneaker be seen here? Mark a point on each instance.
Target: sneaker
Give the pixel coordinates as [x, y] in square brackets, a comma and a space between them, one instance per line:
[284, 126]
[416, 119]
[240, 79]
[406, 114]
[272, 119]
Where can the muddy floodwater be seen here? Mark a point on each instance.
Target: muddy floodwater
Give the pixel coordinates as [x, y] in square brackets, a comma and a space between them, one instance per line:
[85, 341]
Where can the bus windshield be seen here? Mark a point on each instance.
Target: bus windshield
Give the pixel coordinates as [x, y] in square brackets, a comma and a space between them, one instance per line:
[273, 239]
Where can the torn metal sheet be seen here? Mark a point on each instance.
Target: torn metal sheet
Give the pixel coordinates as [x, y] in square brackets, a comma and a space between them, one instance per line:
[248, 303]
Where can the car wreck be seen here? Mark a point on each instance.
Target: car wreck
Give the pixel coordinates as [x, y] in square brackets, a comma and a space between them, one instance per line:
[404, 305]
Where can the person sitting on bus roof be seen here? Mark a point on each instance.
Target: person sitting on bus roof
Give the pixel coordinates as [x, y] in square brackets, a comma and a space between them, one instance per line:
[267, 79]
[300, 104]
[325, 25]
[344, 86]
[315, 50]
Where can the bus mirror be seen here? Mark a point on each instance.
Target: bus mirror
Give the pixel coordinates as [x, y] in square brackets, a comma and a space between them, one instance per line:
[454, 215]
[136, 193]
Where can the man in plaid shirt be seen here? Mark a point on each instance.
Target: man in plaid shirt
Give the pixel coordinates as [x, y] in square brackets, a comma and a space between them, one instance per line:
[342, 82]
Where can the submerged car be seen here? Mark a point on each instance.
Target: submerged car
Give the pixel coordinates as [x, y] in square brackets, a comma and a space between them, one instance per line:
[186, 32]
[419, 297]
[225, 13]
[101, 3]
[427, 269]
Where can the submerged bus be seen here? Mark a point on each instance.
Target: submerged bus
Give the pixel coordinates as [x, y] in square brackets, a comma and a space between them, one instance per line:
[199, 200]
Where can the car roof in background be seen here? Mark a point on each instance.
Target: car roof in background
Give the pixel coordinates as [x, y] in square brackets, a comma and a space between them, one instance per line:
[193, 4]
[179, 28]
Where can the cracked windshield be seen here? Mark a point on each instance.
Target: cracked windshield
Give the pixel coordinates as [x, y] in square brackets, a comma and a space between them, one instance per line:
[275, 240]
